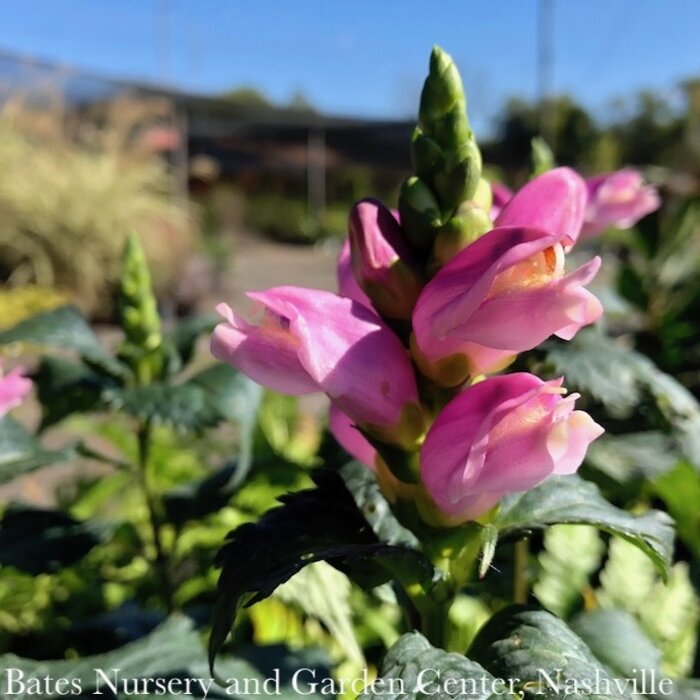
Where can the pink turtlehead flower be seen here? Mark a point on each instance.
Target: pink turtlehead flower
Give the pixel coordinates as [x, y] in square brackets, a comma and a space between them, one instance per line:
[308, 340]
[350, 438]
[500, 196]
[381, 261]
[14, 387]
[503, 294]
[503, 435]
[618, 199]
[554, 201]
[347, 284]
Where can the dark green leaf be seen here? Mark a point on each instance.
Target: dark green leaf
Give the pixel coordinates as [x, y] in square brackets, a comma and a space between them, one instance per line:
[21, 452]
[195, 500]
[364, 488]
[185, 335]
[65, 387]
[540, 651]
[570, 499]
[234, 397]
[415, 669]
[616, 639]
[322, 523]
[37, 540]
[64, 328]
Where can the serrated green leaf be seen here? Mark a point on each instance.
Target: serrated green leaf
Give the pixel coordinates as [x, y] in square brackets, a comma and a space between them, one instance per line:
[571, 554]
[37, 540]
[570, 499]
[214, 395]
[525, 643]
[21, 453]
[319, 524]
[413, 669]
[617, 639]
[64, 328]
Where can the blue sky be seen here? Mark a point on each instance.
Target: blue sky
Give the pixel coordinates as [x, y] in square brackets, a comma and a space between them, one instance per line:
[365, 57]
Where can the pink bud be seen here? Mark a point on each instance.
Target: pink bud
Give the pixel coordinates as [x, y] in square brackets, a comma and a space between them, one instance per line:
[350, 438]
[381, 261]
[503, 435]
[14, 387]
[500, 196]
[308, 340]
[554, 201]
[618, 199]
[347, 284]
[503, 294]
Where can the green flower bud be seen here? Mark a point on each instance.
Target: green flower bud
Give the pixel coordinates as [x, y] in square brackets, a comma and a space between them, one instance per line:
[442, 91]
[426, 155]
[420, 213]
[458, 182]
[483, 195]
[469, 223]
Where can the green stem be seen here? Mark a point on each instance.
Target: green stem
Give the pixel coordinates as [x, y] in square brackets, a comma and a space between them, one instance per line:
[520, 576]
[153, 508]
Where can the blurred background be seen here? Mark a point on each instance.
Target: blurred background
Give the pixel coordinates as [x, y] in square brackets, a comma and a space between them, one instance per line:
[232, 137]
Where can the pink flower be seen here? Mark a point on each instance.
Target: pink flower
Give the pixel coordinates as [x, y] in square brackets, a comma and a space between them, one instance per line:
[500, 196]
[309, 340]
[350, 438]
[618, 199]
[347, 284]
[503, 435]
[381, 260]
[14, 387]
[503, 294]
[554, 201]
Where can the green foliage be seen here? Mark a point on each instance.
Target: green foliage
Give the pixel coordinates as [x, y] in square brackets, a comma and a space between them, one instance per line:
[571, 554]
[172, 652]
[570, 499]
[323, 593]
[616, 638]
[38, 541]
[287, 219]
[522, 643]
[412, 654]
[317, 524]
[629, 582]
[21, 453]
[622, 379]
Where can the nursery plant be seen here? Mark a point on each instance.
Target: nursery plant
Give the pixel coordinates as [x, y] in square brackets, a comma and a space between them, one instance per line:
[483, 531]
